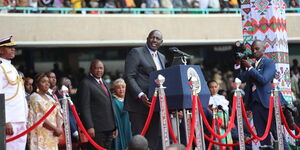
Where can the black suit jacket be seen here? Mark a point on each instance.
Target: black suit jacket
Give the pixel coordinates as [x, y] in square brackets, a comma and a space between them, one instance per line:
[95, 107]
[138, 66]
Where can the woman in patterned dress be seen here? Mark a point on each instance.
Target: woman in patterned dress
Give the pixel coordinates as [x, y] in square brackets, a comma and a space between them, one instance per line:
[46, 135]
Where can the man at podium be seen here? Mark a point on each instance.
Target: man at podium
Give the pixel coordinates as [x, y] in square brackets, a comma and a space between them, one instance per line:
[139, 63]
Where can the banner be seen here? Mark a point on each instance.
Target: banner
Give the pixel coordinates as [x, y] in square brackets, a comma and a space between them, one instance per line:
[265, 20]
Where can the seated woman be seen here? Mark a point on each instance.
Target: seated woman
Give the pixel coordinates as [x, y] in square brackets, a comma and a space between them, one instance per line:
[219, 105]
[121, 116]
[46, 135]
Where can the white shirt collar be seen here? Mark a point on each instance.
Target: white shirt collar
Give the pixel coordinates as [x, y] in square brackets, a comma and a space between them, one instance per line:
[50, 91]
[151, 51]
[259, 59]
[98, 80]
[257, 62]
[5, 60]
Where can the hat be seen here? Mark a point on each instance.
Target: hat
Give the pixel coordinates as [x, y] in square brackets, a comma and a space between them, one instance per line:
[8, 41]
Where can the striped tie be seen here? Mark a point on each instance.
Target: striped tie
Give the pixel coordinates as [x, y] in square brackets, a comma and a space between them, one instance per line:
[158, 67]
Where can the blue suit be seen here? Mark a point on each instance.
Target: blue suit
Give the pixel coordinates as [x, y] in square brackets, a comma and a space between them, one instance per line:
[257, 99]
[262, 77]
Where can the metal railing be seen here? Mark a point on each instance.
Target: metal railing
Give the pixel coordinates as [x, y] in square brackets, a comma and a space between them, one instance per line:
[29, 10]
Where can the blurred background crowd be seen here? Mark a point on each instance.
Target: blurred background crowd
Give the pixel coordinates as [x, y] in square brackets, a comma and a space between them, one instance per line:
[203, 4]
[222, 75]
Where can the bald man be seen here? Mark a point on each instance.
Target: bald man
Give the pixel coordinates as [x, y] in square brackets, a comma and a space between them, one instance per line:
[140, 62]
[95, 107]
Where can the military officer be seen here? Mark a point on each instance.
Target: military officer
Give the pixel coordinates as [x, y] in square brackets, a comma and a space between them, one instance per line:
[11, 84]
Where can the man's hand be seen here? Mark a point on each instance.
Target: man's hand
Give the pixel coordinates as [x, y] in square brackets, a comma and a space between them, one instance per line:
[91, 132]
[9, 129]
[247, 138]
[237, 62]
[58, 131]
[145, 100]
[179, 113]
[115, 133]
[245, 63]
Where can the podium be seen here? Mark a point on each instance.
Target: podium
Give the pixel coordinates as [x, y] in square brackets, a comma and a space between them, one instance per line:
[2, 123]
[178, 91]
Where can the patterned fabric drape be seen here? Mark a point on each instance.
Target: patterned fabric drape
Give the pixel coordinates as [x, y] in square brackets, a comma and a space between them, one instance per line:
[265, 20]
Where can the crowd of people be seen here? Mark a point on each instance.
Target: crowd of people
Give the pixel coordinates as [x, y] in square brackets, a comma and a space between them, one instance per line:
[114, 113]
[204, 4]
[100, 106]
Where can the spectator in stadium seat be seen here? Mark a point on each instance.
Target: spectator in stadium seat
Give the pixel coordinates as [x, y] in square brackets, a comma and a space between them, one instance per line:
[204, 4]
[214, 4]
[233, 3]
[22, 3]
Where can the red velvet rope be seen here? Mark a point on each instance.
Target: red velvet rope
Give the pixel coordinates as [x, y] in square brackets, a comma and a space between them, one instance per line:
[169, 124]
[286, 124]
[266, 133]
[83, 129]
[211, 137]
[297, 128]
[33, 126]
[193, 123]
[231, 120]
[150, 113]
[222, 144]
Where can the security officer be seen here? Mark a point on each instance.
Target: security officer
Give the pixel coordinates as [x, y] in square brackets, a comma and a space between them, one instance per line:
[11, 84]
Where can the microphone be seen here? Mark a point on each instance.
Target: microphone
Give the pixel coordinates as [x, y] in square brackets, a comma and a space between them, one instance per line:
[220, 107]
[175, 50]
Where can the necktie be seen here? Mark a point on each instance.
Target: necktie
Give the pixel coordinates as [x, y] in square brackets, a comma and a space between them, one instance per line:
[158, 67]
[54, 96]
[104, 87]
[256, 64]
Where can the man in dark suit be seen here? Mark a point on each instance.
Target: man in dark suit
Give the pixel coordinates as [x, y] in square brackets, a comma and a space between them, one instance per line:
[95, 107]
[258, 89]
[140, 62]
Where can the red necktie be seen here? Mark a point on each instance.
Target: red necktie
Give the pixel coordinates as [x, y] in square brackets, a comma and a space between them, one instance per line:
[54, 96]
[104, 87]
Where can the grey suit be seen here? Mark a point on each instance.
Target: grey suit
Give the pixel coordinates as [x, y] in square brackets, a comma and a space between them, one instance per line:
[138, 66]
[95, 108]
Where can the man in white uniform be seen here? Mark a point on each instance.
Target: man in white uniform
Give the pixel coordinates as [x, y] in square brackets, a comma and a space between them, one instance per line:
[11, 84]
